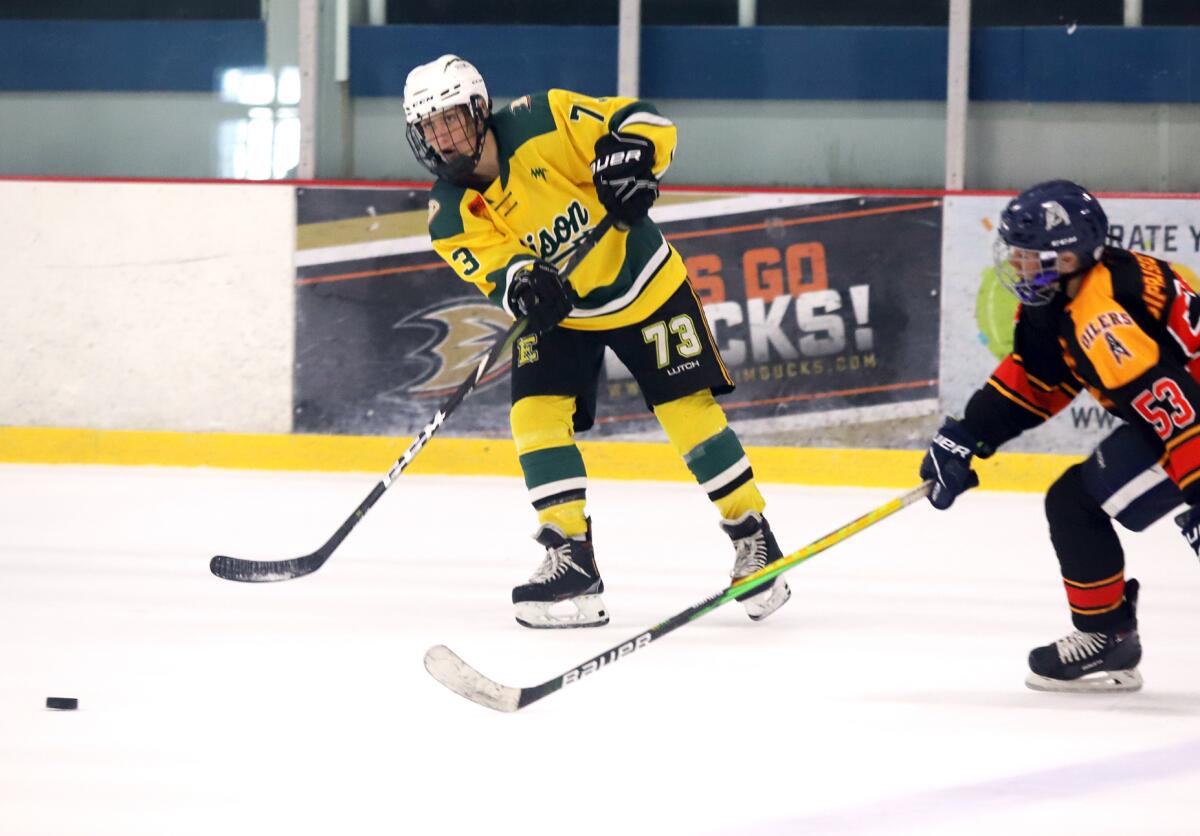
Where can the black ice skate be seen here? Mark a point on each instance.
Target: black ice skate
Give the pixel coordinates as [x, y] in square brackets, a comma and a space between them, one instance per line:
[568, 575]
[756, 547]
[1082, 661]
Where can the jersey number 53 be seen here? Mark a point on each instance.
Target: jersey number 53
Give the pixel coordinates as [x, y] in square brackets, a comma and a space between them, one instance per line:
[1164, 404]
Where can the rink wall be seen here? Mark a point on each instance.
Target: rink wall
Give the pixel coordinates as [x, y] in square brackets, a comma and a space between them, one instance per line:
[148, 305]
[176, 323]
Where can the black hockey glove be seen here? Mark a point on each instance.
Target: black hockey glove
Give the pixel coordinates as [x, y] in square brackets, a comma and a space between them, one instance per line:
[541, 295]
[1189, 523]
[624, 177]
[948, 464]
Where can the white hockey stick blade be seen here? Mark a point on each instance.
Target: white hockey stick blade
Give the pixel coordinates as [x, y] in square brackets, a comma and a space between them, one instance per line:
[448, 668]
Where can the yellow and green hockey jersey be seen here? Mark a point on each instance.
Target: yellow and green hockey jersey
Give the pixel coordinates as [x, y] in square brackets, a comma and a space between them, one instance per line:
[544, 201]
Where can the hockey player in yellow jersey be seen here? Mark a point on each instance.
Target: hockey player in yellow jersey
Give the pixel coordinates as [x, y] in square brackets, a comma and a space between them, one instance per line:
[516, 190]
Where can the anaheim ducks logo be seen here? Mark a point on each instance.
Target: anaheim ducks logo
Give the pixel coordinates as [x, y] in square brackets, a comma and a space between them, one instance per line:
[460, 334]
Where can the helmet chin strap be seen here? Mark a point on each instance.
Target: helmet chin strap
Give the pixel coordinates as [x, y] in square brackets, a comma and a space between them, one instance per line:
[1060, 283]
[461, 170]
[1086, 263]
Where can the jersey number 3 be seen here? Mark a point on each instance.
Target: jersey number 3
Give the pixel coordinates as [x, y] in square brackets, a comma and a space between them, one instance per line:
[1164, 404]
[470, 263]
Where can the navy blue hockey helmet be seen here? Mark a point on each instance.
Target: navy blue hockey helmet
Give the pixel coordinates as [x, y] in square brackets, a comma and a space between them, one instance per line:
[1039, 225]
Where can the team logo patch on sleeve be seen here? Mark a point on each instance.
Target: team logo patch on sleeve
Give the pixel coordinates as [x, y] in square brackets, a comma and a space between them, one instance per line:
[434, 208]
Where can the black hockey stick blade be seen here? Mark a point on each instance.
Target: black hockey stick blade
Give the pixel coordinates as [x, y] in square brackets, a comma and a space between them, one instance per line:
[448, 668]
[267, 571]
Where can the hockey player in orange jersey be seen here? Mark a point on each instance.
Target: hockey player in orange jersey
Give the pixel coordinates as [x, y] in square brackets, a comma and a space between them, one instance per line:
[1124, 326]
[516, 189]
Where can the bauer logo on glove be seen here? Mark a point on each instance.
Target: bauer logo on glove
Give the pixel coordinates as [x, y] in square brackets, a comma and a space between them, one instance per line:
[616, 158]
[951, 446]
[623, 173]
[948, 463]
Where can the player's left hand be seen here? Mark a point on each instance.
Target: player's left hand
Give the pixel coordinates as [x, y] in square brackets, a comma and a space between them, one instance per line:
[541, 295]
[623, 173]
[1189, 524]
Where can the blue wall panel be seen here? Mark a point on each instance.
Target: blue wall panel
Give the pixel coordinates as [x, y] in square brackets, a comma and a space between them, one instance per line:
[515, 60]
[126, 55]
[1101, 64]
[785, 62]
[1095, 64]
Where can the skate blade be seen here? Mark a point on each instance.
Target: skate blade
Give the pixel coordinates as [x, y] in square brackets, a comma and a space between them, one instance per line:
[1102, 682]
[589, 612]
[760, 606]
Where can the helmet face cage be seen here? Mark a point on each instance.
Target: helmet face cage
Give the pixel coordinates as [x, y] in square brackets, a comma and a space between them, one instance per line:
[462, 128]
[1038, 226]
[1030, 275]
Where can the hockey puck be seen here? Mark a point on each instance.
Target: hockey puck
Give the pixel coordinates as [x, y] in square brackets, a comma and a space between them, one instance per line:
[62, 703]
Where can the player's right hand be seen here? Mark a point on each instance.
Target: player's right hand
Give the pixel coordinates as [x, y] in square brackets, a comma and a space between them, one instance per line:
[948, 464]
[623, 175]
[1189, 524]
[541, 295]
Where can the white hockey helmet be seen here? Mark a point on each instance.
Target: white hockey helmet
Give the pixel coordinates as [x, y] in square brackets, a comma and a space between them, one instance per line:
[442, 83]
[448, 83]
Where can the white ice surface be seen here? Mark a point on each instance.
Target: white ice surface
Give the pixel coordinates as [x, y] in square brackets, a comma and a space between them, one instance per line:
[886, 698]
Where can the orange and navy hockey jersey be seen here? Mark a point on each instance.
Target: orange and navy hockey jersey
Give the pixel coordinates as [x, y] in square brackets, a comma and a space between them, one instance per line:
[1130, 337]
[543, 202]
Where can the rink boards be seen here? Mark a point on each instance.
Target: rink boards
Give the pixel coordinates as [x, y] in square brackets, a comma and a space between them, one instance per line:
[276, 326]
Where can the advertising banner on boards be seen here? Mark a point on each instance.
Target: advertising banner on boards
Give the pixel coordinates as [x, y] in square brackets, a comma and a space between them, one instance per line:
[825, 308]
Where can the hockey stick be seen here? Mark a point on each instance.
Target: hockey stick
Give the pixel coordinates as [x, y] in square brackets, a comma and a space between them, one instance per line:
[260, 571]
[448, 668]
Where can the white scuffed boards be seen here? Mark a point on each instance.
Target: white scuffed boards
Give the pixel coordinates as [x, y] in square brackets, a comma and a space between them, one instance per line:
[147, 306]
